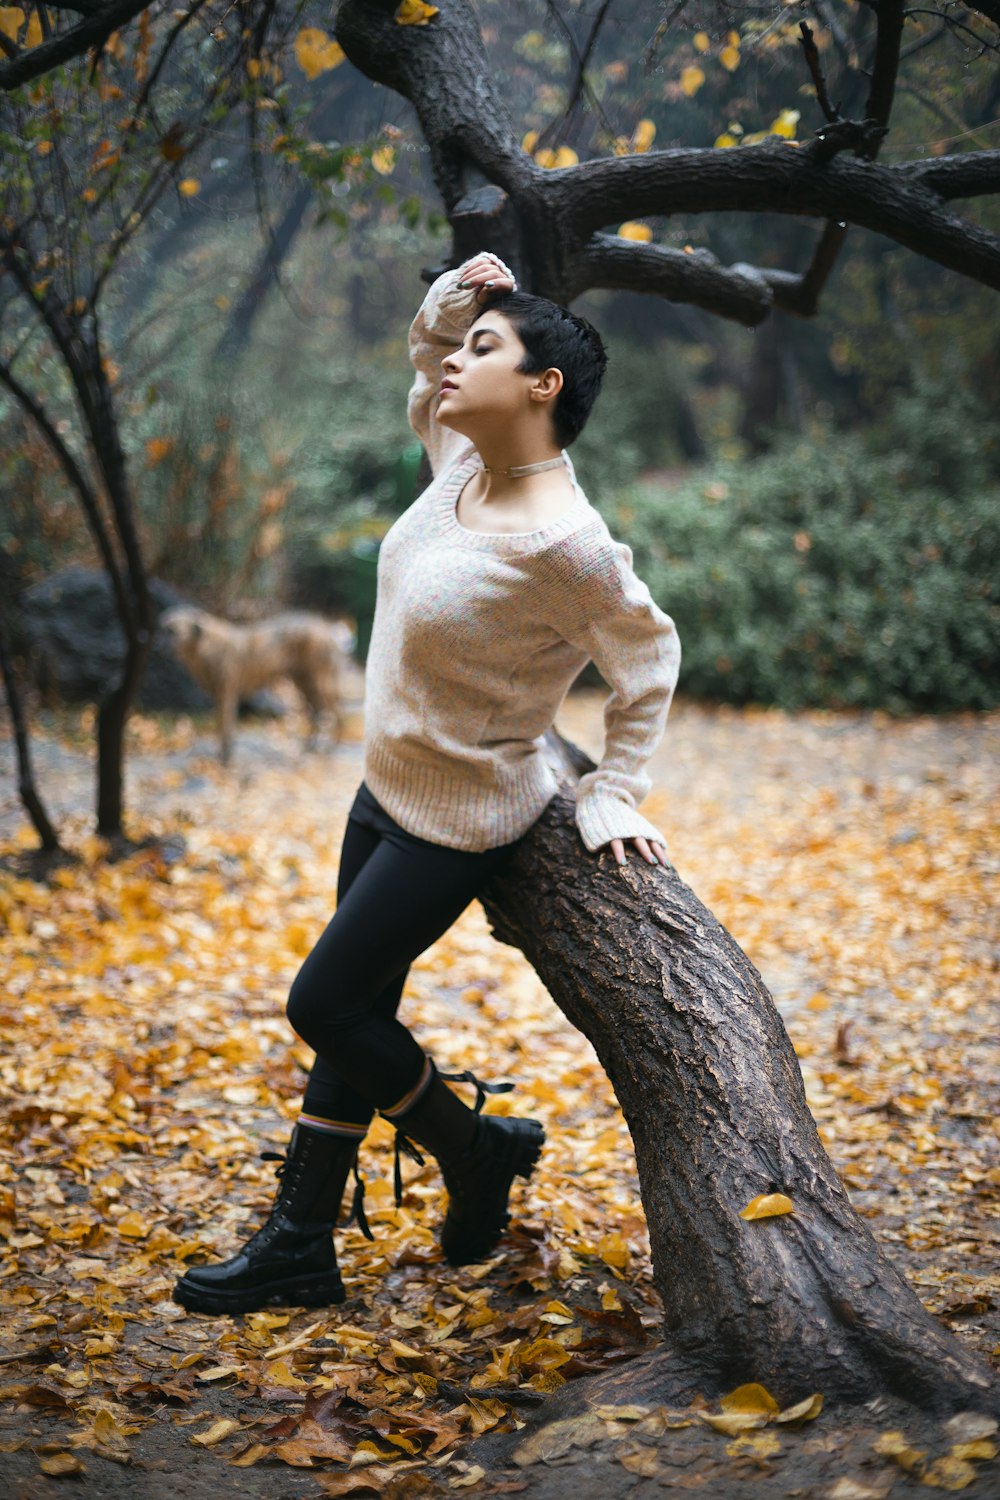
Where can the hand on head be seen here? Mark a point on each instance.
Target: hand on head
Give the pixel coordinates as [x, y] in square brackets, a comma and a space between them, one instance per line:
[487, 276]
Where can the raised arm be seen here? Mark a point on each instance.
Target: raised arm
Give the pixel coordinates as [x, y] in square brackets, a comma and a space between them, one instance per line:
[447, 313]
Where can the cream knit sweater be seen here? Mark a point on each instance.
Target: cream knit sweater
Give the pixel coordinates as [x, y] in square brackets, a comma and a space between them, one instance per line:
[478, 636]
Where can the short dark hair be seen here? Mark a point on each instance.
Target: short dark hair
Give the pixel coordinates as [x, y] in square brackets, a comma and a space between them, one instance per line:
[554, 337]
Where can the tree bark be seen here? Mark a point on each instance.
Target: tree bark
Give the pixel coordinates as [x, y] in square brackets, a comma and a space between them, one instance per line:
[712, 1092]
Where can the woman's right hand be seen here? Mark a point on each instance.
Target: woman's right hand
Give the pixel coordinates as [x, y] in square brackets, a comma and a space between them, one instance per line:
[487, 276]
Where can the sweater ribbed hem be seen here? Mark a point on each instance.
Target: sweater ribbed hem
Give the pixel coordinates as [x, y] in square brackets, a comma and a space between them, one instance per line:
[440, 803]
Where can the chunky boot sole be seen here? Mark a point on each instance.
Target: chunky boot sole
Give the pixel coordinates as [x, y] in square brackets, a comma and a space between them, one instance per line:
[321, 1289]
[474, 1239]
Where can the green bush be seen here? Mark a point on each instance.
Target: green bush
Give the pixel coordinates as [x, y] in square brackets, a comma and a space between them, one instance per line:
[847, 570]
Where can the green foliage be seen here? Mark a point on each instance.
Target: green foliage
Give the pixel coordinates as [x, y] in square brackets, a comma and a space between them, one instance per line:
[858, 571]
[634, 422]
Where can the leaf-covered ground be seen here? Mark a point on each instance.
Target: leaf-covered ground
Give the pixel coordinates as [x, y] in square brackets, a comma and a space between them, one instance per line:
[146, 1064]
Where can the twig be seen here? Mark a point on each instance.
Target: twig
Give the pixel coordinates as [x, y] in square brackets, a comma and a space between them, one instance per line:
[831, 111]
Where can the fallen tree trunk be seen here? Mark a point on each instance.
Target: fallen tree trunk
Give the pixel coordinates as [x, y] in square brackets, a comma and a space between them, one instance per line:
[712, 1092]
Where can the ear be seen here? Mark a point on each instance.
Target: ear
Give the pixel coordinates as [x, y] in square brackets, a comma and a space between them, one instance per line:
[547, 385]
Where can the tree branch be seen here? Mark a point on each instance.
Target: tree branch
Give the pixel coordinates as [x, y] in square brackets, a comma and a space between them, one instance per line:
[72, 470]
[98, 24]
[739, 293]
[903, 202]
[888, 39]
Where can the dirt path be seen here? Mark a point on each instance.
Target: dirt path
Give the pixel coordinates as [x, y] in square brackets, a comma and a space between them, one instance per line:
[146, 1060]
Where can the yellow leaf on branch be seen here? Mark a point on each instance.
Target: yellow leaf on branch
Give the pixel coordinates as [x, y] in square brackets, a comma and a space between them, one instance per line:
[317, 53]
[729, 57]
[189, 187]
[11, 21]
[33, 35]
[701, 41]
[635, 231]
[767, 1206]
[415, 13]
[643, 136]
[384, 159]
[692, 79]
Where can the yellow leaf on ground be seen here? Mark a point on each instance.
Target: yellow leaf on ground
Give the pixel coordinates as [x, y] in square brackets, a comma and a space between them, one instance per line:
[613, 1249]
[250, 1456]
[133, 1226]
[767, 1206]
[751, 1398]
[733, 1423]
[894, 1445]
[981, 1448]
[641, 1460]
[948, 1474]
[223, 1428]
[802, 1411]
[58, 1464]
[384, 159]
[760, 1445]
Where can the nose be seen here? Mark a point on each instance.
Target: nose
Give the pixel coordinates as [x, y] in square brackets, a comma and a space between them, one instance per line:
[450, 364]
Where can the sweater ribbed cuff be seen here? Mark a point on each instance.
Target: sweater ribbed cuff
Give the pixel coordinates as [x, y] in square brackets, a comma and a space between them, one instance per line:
[601, 817]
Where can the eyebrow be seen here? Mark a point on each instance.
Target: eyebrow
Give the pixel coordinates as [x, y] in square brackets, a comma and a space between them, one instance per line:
[478, 333]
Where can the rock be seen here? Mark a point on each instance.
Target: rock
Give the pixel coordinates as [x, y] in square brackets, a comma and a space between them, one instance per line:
[70, 632]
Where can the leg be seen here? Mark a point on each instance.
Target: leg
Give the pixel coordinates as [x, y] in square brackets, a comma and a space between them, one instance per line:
[291, 1259]
[417, 891]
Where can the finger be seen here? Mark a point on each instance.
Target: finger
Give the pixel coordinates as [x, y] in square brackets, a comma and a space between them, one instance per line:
[661, 853]
[645, 851]
[618, 850]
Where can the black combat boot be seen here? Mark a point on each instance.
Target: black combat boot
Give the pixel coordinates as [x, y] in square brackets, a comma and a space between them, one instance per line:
[479, 1156]
[290, 1261]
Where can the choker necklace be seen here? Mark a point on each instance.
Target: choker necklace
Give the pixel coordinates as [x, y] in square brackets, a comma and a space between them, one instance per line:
[521, 471]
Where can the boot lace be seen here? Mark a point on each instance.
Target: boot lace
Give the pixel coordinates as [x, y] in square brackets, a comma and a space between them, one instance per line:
[357, 1214]
[410, 1148]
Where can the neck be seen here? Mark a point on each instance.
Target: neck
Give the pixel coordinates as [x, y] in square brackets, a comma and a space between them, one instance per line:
[513, 450]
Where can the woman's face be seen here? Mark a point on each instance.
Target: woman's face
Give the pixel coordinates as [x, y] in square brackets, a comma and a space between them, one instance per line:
[481, 386]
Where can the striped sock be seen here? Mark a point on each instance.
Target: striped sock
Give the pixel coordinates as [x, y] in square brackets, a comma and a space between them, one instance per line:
[414, 1095]
[349, 1129]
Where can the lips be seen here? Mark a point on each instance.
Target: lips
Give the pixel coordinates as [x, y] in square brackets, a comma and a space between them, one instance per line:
[446, 385]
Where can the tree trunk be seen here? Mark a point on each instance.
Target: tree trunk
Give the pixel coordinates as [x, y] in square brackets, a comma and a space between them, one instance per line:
[28, 792]
[713, 1096]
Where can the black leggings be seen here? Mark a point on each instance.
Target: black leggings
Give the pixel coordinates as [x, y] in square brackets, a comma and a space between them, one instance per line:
[396, 895]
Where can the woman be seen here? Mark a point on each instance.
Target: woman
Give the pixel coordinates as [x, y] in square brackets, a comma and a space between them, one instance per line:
[494, 590]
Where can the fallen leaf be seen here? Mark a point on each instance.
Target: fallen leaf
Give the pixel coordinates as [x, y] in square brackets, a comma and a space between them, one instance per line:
[59, 1464]
[949, 1473]
[802, 1411]
[223, 1428]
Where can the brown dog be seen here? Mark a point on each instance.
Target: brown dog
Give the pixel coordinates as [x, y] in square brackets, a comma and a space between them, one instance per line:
[233, 661]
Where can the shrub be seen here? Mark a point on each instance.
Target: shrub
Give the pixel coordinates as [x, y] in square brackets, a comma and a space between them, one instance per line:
[847, 571]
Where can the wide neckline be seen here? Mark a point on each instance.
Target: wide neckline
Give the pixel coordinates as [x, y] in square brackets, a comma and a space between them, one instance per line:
[506, 541]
